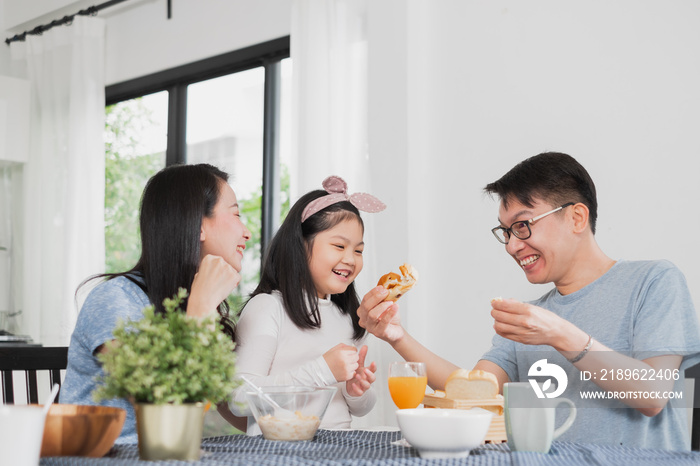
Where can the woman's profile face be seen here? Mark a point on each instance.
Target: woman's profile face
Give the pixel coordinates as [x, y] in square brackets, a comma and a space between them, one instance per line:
[224, 234]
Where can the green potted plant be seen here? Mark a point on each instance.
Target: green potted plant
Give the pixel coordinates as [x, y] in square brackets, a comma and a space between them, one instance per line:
[169, 366]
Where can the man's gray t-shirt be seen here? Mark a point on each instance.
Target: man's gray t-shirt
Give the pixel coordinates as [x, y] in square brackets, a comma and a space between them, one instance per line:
[641, 309]
[111, 301]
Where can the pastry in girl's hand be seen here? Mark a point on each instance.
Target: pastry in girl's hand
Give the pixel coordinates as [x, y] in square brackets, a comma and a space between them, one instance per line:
[397, 284]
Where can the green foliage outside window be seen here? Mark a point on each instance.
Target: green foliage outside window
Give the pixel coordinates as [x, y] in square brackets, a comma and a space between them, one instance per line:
[251, 214]
[126, 174]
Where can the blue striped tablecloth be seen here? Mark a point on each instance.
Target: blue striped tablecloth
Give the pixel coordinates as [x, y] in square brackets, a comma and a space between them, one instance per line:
[371, 447]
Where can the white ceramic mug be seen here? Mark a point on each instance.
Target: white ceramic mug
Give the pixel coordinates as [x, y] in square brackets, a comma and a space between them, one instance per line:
[530, 420]
[21, 433]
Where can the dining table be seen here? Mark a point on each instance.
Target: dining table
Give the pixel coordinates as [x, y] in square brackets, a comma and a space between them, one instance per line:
[381, 447]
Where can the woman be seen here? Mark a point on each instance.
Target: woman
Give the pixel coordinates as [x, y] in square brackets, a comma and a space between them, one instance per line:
[191, 237]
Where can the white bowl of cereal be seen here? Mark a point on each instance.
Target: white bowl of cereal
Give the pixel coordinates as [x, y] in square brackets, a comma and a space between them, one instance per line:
[290, 413]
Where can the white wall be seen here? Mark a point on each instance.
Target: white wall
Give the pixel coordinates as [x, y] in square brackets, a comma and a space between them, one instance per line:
[142, 40]
[460, 91]
[615, 84]
[4, 51]
[18, 14]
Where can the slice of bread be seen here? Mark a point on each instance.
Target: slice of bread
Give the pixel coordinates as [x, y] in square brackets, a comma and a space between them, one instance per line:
[471, 385]
[497, 410]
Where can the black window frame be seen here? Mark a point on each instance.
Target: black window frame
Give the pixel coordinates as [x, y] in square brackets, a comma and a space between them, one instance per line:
[268, 55]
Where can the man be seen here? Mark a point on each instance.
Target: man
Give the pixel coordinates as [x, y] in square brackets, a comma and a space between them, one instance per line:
[627, 326]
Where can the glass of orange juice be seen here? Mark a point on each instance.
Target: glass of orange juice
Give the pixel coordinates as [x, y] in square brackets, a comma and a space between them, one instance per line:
[407, 382]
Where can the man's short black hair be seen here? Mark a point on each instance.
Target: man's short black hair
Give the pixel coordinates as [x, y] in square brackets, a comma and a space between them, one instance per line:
[553, 177]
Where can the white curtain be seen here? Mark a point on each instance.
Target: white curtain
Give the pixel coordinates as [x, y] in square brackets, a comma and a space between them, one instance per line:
[329, 54]
[62, 240]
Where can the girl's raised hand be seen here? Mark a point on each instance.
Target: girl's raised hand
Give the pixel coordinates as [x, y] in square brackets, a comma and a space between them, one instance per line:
[342, 360]
[212, 283]
[364, 376]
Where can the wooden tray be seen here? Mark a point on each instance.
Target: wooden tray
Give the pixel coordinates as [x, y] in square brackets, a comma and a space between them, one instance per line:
[497, 429]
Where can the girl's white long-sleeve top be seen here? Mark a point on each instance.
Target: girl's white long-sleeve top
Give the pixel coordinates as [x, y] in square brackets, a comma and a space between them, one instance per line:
[272, 350]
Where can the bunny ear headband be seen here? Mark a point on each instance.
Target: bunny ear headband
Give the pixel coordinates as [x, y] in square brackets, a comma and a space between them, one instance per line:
[337, 190]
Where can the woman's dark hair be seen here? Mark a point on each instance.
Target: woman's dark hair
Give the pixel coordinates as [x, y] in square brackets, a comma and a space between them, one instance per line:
[172, 207]
[286, 264]
[552, 177]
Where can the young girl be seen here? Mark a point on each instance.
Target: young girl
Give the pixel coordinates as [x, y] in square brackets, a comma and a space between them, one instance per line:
[300, 326]
[191, 237]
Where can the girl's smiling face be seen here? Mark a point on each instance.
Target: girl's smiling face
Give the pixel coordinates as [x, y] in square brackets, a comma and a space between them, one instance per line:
[336, 257]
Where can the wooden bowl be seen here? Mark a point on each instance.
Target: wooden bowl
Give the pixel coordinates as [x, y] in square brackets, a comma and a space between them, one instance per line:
[81, 430]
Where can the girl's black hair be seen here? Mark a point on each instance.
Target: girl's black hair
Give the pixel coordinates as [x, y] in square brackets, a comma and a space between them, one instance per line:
[173, 204]
[286, 264]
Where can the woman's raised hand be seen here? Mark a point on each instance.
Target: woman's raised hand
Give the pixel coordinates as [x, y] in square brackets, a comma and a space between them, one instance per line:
[380, 318]
[213, 282]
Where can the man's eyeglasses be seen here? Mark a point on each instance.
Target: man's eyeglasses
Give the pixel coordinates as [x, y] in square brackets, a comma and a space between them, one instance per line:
[521, 229]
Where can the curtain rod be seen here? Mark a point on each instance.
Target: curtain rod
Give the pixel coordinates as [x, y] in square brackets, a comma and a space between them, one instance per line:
[90, 11]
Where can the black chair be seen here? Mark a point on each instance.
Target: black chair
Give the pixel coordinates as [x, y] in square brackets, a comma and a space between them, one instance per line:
[30, 359]
[694, 373]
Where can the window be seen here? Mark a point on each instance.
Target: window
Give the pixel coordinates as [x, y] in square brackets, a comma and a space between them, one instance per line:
[231, 111]
[135, 143]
